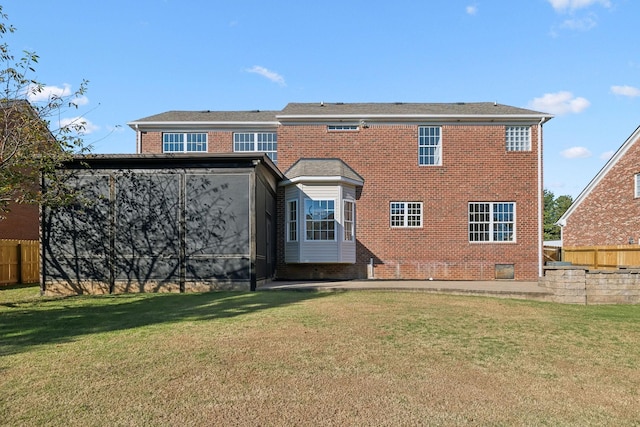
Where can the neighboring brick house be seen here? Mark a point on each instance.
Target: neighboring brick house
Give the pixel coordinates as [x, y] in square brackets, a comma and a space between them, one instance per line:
[607, 211]
[17, 118]
[387, 190]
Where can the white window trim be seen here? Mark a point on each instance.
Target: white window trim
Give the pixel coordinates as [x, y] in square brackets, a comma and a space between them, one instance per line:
[492, 223]
[185, 143]
[289, 221]
[343, 128]
[335, 221]
[438, 147]
[636, 189]
[405, 219]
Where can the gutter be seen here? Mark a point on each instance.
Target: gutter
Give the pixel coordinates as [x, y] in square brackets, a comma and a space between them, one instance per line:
[163, 125]
[138, 140]
[540, 200]
[412, 117]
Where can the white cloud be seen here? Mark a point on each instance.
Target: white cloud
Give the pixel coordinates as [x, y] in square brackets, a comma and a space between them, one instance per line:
[576, 153]
[607, 155]
[559, 103]
[72, 122]
[271, 75]
[579, 24]
[472, 10]
[47, 93]
[625, 91]
[570, 5]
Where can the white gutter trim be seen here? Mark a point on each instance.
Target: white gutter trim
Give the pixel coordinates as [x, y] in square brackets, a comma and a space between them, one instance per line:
[297, 117]
[321, 179]
[191, 123]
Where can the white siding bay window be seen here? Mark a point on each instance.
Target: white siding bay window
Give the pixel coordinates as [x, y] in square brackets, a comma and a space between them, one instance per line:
[320, 210]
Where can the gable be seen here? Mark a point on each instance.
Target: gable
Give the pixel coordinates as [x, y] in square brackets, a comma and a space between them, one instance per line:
[600, 176]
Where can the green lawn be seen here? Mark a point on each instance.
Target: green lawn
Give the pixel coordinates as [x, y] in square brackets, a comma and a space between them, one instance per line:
[314, 358]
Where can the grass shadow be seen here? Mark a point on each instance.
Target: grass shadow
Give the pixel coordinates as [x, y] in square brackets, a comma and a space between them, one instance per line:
[25, 323]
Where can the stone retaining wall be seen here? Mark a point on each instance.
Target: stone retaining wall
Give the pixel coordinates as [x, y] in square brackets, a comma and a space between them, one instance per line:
[581, 285]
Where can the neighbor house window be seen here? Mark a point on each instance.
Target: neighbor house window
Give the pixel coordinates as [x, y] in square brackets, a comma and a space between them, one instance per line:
[518, 138]
[429, 146]
[636, 180]
[292, 220]
[406, 214]
[184, 142]
[338, 128]
[349, 220]
[492, 222]
[320, 221]
[263, 142]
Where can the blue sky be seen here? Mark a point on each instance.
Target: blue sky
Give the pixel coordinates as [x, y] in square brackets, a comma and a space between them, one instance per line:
[577, 59]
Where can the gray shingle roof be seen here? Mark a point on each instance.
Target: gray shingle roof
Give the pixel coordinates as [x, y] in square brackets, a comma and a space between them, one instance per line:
[322, 168]
[212, 116]
[405, 108]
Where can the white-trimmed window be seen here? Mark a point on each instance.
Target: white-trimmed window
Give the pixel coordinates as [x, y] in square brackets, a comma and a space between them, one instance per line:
[263, 142]
[429, 146]
[349, 220]
[406, 214]
[342, 128]
[518, 138]
[636, 189]
[320, 223]
[492, 222]
[174, 142]
[292, 221]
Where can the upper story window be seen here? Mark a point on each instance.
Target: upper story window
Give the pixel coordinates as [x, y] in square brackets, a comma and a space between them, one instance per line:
[406, 214]
[320, 223]
[518, 138]
[636, 181]
[184, 142]
[492, 222]
[264, 142]
[429, 146]
[338, 128]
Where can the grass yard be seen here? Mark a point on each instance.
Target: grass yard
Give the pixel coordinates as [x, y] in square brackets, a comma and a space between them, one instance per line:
[304, 358]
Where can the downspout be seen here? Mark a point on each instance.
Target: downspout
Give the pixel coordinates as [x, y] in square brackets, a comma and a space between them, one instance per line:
[138, 140]
[540, 201]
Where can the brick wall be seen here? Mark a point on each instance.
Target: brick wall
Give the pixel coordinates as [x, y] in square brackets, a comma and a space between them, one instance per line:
[217, 142]
[21, 223]
[476, 167]
[610, 214]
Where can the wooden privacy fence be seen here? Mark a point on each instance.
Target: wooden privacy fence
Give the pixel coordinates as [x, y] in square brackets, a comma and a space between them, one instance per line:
[603, 257]
[19, 261]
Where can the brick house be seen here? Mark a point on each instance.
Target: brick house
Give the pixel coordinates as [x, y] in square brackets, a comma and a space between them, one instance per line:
[17, 118]
[387, 190]
[607, 211]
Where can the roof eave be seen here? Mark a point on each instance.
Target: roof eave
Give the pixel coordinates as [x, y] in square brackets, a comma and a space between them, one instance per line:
[164, 125]
[321, 179]
[415, 117]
